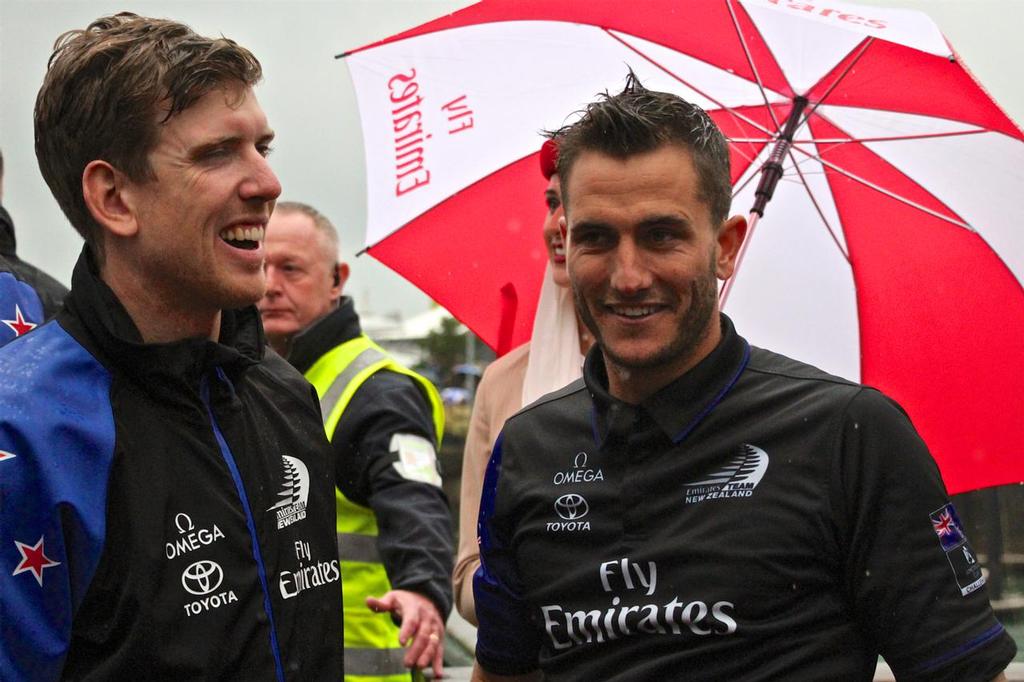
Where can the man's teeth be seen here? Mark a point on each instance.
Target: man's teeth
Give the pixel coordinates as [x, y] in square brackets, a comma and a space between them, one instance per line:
[635, 311]
[243, 234]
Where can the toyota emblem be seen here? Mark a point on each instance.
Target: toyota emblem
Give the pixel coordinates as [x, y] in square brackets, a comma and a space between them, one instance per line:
[571, 506]
[202, 577]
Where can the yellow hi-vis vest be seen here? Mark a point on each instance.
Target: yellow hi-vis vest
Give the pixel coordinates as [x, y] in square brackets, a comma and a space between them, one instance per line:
[372, 650]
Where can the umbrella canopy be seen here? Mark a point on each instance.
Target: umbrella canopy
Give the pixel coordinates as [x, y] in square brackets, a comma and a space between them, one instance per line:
[888, 254]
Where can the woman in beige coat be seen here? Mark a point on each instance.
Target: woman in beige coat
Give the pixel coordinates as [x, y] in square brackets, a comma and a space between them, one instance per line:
[552, 359]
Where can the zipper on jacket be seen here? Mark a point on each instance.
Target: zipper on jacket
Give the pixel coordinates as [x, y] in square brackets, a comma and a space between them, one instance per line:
[250, 522]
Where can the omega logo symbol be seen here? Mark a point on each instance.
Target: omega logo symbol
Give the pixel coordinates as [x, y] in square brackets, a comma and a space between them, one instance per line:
[202, 577]
[581, 460]
[571, 506]
[183, 522]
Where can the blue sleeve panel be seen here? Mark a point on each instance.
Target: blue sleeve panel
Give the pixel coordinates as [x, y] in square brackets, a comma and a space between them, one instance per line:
[56, 451]
[20, 307]
[507, 642]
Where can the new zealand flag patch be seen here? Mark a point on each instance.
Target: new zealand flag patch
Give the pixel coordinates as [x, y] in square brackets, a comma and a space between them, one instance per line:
[947, 527]
[961, 557]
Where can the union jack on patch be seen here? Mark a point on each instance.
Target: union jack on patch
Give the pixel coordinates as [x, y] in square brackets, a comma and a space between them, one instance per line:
[947, 526]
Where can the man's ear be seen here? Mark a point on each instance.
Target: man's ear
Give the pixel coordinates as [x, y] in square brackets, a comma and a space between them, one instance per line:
[730, 238]
[107, 194]
[341, 273]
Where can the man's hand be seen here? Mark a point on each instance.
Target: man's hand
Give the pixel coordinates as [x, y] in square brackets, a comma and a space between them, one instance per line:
[422, 629]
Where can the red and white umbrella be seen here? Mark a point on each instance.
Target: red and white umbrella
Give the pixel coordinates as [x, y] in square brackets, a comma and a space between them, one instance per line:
[889, 253]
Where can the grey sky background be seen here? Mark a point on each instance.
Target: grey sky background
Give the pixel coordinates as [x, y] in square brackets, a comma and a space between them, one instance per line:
[308, 97]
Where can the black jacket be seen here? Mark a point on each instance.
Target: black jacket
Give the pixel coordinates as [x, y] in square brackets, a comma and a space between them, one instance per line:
[415, 540]
[50, 291]
[170, 506]
[754, 519]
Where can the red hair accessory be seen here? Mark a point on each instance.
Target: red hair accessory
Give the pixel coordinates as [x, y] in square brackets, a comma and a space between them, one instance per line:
[549, 158]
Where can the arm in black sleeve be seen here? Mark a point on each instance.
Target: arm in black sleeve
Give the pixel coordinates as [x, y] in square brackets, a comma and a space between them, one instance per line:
[913, 579]
[414, 524]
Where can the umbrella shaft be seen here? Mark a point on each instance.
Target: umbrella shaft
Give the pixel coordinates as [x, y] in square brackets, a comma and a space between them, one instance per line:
[771, 172]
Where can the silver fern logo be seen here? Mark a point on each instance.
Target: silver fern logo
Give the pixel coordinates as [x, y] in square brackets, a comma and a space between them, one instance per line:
[737, 478]
[294, 493]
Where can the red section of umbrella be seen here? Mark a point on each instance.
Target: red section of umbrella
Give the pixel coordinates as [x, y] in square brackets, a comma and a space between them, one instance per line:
[493, 280]
[923, 84]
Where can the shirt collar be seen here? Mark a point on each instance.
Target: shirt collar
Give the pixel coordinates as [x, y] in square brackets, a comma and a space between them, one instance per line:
[681, 405]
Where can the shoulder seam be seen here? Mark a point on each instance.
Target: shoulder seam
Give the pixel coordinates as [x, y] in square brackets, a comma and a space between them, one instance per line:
[834, 446]
[561, 393]
[826, 379]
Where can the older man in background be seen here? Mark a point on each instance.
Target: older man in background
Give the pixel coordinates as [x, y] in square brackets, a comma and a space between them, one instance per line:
[385, 424]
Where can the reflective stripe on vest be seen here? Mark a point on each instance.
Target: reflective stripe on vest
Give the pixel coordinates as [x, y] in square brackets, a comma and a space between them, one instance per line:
[382, 661]
[358, 547]
[368, 357]
[372, 651]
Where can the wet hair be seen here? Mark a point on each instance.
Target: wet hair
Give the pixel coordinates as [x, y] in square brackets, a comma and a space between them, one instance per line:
[320, 221]
[638, 120]
[110, 86]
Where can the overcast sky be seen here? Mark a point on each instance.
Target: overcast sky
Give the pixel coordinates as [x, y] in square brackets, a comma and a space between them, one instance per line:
[308, 97]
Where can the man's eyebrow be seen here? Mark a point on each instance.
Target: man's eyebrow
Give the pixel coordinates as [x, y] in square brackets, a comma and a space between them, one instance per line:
[666, 220]
[589, 225]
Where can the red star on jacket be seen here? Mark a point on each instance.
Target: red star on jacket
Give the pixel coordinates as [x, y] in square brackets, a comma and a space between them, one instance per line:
[19, 324]
[6, 455]
[34, 559]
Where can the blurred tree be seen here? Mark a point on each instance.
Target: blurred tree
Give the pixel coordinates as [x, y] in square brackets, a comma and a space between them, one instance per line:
[446, 348]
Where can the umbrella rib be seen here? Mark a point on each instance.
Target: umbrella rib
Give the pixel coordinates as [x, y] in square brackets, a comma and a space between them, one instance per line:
[894, 138]
[817, 207]
[750, 178]
[750, 61]
[888, 193]
[814, 107]
[720, 105]
[748, 157]
[847, 140]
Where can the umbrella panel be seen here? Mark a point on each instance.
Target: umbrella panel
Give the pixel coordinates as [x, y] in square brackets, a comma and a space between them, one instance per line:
[926, 318]
[494, 257]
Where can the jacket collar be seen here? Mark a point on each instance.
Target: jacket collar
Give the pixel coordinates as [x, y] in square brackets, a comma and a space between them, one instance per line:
[680, 406]
[333, 329]
[8, 242]
[95, 307]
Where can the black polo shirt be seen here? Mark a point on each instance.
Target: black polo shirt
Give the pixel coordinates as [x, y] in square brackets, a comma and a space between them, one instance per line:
[755, 519]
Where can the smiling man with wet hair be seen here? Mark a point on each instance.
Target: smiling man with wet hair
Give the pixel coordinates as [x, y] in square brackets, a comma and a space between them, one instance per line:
[696, 508]
[167, 489]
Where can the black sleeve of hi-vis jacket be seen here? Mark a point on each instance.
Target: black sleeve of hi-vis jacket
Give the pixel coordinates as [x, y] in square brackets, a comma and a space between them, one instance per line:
[415, 528]
[913, 578]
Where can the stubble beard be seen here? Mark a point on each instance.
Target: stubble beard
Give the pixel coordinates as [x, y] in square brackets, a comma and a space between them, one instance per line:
[690, 334]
